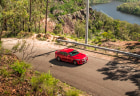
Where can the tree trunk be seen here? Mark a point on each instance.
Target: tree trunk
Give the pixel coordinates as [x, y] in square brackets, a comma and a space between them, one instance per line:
[30, 17]
[14, 27]
[20, 24]
[5, 24]
[39, 27]
[35, 26]
[0, 35]
[46, 17]
[23, 25]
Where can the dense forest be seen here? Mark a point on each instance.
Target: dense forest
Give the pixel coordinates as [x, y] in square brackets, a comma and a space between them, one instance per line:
[106, 1]
[128, 0]
[24, 16]
[130, 8]
[99, 1]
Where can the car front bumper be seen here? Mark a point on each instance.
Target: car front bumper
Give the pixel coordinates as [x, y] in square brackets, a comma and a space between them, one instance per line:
[81, 62]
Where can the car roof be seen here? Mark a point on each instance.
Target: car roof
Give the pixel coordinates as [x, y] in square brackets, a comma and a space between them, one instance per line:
[67, 50]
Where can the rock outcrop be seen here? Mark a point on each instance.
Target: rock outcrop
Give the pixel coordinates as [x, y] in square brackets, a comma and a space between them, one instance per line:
[70, 19]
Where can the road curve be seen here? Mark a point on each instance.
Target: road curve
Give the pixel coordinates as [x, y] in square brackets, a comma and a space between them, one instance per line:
[85, 77]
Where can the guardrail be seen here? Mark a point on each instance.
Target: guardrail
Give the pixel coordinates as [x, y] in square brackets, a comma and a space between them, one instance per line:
[103, 48]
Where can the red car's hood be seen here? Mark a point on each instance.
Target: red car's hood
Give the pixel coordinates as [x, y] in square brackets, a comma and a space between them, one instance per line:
[79, 56]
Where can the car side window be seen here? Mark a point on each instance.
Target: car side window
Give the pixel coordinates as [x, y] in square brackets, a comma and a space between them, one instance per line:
[62, 53]
[66, 54]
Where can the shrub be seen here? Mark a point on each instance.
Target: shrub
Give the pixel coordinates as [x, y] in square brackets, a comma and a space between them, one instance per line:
[23, 34]
[80, 29]
[46, 82]
[4, 72]
[20, 68]
[58, 29]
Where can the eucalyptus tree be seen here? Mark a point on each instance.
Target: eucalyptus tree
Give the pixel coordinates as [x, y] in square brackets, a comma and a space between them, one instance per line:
[30, 15]
[20, 15]
[5, 6]
[46, 16]
[1, 21]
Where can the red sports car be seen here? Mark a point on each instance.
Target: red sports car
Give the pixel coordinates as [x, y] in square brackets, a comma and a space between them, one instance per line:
[71, 55]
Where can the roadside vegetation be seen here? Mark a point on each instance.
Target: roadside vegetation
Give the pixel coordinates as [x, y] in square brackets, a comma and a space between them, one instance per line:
[130, 8]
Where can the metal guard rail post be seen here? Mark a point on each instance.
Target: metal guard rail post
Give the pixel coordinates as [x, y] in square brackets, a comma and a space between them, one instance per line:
[103, 48]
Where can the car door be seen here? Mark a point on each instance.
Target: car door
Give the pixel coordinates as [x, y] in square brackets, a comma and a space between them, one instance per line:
[65, 56]
[62, 56]
[69, 58]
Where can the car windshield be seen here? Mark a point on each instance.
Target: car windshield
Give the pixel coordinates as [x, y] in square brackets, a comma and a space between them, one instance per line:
[73, 53]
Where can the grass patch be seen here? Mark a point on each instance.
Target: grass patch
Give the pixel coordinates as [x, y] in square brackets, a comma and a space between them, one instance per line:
[72, 93]
[45, 81]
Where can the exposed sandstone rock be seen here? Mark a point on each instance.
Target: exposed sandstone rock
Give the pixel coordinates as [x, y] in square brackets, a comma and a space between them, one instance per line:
[48, 36]
[63, 38]
[39, 35]
[70, 19]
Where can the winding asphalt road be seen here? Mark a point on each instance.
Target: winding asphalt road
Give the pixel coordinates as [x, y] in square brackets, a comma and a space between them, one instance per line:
[85, 77]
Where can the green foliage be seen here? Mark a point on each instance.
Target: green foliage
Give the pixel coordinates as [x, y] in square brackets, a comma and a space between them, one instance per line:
[6, 51]
[99, 1]
[14, 16]
[58, 29]
[108, 35]
[4, 72]
[46, 82]
[65, 7]
[20, 68]
[80, 29]
[107, 28]
[130, 8]
[23, 34]
[72, 93]
[128, 0]
[97, 40]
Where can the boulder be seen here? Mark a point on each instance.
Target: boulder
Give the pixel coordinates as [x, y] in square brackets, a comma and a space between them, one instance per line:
[49, 37]
[63, 38]
[39, 35]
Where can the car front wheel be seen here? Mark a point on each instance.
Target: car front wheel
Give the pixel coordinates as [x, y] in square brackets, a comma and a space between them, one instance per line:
[58, 58]
[75, 62]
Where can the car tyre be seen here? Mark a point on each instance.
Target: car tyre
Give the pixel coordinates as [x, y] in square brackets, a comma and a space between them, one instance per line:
[75, 62]
[58, 58]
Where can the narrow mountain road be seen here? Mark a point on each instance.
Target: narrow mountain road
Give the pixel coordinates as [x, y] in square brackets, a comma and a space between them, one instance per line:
[85, 77]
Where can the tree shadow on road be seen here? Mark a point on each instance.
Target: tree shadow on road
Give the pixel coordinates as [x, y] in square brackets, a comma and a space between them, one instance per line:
[44, 54]
[123, 69]
[63, 64]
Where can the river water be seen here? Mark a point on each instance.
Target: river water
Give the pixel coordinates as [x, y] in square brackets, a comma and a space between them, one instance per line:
[110, 9]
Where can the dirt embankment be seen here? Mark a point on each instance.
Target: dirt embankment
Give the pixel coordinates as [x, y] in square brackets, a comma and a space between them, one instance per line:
[127, 46]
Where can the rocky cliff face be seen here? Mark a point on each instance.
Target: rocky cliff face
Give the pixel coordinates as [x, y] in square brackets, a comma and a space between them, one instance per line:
[70, 19]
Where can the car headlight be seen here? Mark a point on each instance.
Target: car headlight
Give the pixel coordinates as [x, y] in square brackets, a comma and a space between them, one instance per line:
[78, 59]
